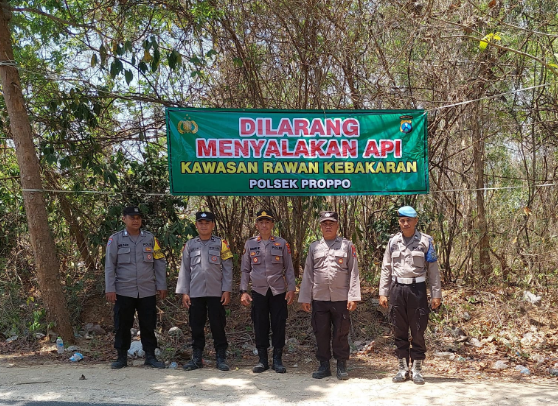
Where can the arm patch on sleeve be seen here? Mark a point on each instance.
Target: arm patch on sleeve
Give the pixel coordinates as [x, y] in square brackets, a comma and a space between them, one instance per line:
[157, 251]
[431, 255]
[288, 247]
[225, 250]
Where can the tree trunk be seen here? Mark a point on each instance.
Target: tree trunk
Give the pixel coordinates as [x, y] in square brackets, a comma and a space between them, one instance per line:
[73, 223]
[478, 167]
[44, 248]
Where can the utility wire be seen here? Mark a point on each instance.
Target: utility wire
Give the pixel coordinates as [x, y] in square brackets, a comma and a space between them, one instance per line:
[98, 192]
[488, 97]
[168, 194]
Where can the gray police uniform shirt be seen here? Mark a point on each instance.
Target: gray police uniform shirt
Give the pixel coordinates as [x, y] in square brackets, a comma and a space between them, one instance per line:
[410, 260]
[134, 269]
[206, 269]
[331, 272]
[268, 264]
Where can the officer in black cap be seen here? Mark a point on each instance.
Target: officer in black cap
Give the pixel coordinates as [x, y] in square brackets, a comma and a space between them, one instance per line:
[410, 256]
[205, 282]
[267, 263]
[135, 271]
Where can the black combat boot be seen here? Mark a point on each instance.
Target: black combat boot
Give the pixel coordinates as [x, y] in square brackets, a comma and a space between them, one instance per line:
[151, 361]
[342, 373]
[196, 361]
[277, 365]
[121, 361]
[221, 356]
[323, 371]
[263, 363]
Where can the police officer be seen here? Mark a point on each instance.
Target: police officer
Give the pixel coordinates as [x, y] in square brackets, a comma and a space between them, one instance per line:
[267, 263]
[205, 282]
[135, 271]
[330, 288]
[409, 257]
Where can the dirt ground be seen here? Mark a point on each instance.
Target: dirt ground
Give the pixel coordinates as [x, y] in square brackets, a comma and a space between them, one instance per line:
[97, 384]
[473, 332]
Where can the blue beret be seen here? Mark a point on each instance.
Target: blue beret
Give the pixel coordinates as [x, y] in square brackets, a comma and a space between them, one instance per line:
[407, 211]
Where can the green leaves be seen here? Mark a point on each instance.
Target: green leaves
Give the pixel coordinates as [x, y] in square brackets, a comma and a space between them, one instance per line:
[142, 67]
[116, 67]
[149, 59]
[103, 54]
[492, 37]
[128, 47]
[129, 76]
[156, 59]
[174, 59]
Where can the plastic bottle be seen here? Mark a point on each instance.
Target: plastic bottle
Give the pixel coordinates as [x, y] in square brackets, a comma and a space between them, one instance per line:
[59, 345]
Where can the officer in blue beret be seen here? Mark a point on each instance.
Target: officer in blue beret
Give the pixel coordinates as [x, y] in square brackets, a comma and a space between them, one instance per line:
[410, 262]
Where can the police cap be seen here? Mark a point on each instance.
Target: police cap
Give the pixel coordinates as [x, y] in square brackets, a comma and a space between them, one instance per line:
[329, 216]
[406, 211]
[265, 214]
[132, 211]
[205, 215]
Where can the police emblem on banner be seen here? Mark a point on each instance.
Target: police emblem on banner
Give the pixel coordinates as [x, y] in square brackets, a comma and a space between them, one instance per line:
[187, 126]
[406, 125]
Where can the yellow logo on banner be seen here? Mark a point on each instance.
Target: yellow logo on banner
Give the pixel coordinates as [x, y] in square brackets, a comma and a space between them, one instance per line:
[187, 126]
